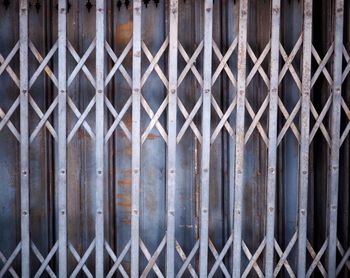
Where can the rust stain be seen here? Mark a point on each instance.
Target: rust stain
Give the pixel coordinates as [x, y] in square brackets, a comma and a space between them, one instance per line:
[125, 201]
[126, 221]
[123, 32]
[152, 136]
[125, 182]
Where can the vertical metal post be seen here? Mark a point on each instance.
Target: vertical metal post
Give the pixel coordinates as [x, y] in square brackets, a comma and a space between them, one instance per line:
[136, 136]
[99, 229]
[24, 149]
[205, 151]
[239, 178]
[272, 147]
[62, 137]
[171, 154]
[335, 135]
[305, 137]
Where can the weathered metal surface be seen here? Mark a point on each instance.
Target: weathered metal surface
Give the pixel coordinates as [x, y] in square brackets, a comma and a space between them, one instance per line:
[174, 138]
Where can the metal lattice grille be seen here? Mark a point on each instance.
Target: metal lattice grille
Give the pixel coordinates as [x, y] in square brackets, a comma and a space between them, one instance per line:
[175, 138]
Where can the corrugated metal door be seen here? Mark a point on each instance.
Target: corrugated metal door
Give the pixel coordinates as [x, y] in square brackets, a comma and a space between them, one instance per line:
[174, 138]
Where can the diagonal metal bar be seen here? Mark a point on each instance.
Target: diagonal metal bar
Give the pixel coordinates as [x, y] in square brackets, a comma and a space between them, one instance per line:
[41, 115]
[347, 128]
[257, 64]
[322, 65]
[44, 261]
[220, 257]
[84, 68]
[288, 66]
[223, 62]
[9, 261]
[345, 260]
[118, 63]
[6, 119]
[117, 261]
[187, 261]
[253, 259]
[10, 269]
[81, 260]
[43, 121]
[81, 62]
[118, 119]
[289, 121]
[43, 63]
[284, 255]
[81, 120]
[5, 62]
[78, 115]
[223, 120]
[317, 257]
[155, 120]
[190, 63]
[154, 63]
[347, 67]
[152, 260]
[9, 70]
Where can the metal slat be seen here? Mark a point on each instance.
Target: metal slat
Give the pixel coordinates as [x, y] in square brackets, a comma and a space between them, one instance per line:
[335, 135]
[272, 147]
[171, 154]
[62, 137]
[136, 139]
[305, 137]
[205, 152]
[239, 178]
[100, 42]
[24, 130]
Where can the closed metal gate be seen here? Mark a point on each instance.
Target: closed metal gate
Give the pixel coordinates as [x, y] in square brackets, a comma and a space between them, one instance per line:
[175, 138]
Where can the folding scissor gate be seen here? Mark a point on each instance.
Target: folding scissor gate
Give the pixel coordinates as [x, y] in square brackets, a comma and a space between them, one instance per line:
[174, 138]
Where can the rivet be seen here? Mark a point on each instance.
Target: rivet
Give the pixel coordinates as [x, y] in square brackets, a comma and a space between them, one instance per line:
[24, 173]
[25, 212]
[63, 212]
[99, 211]
[99, 91]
